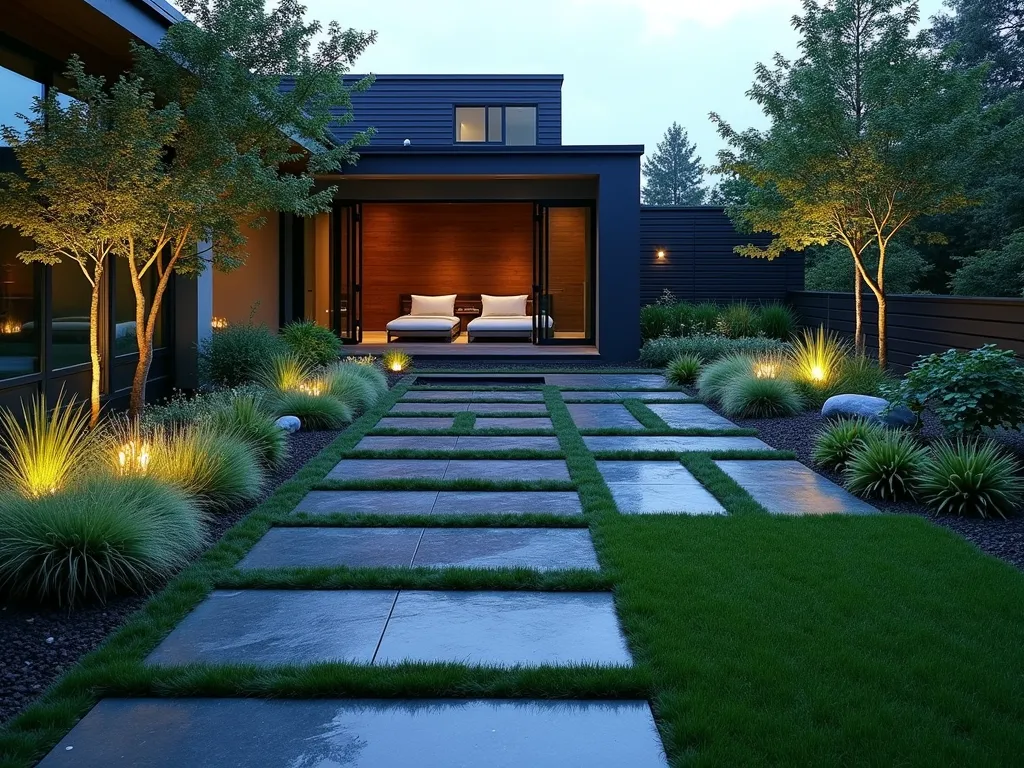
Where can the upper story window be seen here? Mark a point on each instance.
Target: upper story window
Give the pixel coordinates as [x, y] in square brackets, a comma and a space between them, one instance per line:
[17, 88]
[509, 125]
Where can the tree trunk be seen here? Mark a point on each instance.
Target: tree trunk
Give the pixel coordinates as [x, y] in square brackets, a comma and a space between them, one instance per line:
[94, 345]
[883, 335]
[146, 320]
[859, 343]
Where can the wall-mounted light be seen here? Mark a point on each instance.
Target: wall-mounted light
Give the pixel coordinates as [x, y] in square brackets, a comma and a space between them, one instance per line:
[661, 256]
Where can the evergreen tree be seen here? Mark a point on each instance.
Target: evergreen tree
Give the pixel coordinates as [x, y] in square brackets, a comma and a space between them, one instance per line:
[673, 172]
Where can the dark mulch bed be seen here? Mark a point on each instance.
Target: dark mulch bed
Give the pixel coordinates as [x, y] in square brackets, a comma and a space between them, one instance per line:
[37, 645]
[1001, 538]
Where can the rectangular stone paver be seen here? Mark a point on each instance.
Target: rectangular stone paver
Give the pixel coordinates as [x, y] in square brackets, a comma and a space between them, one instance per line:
[368, 502]
[572, 396]
[504, 629]
[678, 444]
[388, 469]
[406, 443]
[326, 547]
[602, 415]
[558, 503]
[506, 469]
[479, 408]
[279, 626]
[400, 422]
[361, 733]
[790, 488]
[419, 407]
[506, 443]
[425, 395]
[690, 416]
[485, 422]
[606, 380]
[541, 549]
[650, 487]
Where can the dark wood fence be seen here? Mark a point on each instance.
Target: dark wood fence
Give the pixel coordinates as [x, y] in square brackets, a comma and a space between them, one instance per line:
[700, 264]
[919, 324]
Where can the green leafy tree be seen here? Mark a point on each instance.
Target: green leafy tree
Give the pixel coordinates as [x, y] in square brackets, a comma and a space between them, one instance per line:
[83, 165]
[673, 173]
[871, 129]
[829, 268]
[259, 90]
[998, 272]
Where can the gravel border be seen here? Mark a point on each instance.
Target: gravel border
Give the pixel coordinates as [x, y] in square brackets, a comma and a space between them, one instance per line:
[37, 645]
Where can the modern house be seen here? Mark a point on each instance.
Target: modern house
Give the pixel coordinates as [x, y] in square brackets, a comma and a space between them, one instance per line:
[466, 190]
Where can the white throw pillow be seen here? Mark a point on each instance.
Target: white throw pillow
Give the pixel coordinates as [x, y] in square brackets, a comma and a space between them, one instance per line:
[443, 306]
[505, 306]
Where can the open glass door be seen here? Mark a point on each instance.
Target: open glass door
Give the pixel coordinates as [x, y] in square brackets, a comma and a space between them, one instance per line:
[563, 286]
[347, 272]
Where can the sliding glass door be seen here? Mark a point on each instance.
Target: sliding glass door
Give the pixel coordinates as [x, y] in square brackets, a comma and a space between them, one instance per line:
[563, 273]
[347, 272]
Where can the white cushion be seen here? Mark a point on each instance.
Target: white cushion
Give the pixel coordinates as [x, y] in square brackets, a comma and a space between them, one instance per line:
[505, 306]
[409, 323]
[505, 323]
[438, 306]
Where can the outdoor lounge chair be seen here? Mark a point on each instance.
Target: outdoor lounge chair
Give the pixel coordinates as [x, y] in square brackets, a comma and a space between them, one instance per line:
[505, 317]
[426, 317]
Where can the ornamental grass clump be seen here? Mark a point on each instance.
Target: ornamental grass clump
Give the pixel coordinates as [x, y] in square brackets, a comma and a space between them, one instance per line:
[971, 479]
[834, 445]
[753, 397]
[288, 372]
[886, 466]
[776, 321]
[716, 376]
[370, 372]
[816, 358]
[738, 321]
[314, 411]
[44, 450]
[396, 360]
[350, 385]
[102, 536]
[247, 418]
[683, 370]
[312, 343]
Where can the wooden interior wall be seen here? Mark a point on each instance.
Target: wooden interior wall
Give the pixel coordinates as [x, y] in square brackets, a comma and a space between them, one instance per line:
[568, 281]
[441, 248]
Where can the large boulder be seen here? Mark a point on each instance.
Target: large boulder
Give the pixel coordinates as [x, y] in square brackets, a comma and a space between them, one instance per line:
[868, 408]
[289, 424]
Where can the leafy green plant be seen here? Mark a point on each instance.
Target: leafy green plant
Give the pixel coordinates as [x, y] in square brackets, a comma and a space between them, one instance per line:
[716, 376]
[396, 360]
[834, 445]
[683, 370]
[967, 391]
[237, 354]
[887, 466]
[314, 411]
[288, 372]
[753, 397]
[776, 321]
[247, 418]
[971, 478]
[45, 450]
[658, 353]
[96, 538]
[654, 321]
[345, 383]
[704, 318]
[739, 320]
[816, 358]
[185, 409]
[312, 343]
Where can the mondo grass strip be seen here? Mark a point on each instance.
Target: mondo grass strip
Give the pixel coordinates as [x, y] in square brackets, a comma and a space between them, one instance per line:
[461, 432]
[645, 415]
[669, 432]
[480, 520]
[728, 492]
[431, 484]
[27, 737]
[464, 421]
[453, 579]
[713, 455]
[523, 454]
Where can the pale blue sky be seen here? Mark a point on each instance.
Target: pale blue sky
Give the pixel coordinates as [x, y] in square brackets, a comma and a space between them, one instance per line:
[631, 66]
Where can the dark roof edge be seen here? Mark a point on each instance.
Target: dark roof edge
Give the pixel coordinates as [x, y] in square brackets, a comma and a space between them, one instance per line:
[553, 149]
[474, 76]
[162, 9]
[669, 208]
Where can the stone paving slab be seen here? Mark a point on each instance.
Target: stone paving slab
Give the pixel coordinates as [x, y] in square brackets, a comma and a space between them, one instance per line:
[690, 416]
[518, 422]
[506, 443]
[605, 380]
[542, 549]
[468, 396]
[507, 469]
[361, 733]
[327, 547]
[674, 443]
[504, 629]
[368, 502]
[279, 626]
[419, 407]
[479, 408]
[653, 487]
[410, 442]
[560, 503]
[790, 488]
[571, 396]
[400, 422]
[602, 415]
[380, 469]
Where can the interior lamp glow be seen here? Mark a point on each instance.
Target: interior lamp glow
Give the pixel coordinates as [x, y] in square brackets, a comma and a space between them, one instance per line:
[9, 327]
[219, 323]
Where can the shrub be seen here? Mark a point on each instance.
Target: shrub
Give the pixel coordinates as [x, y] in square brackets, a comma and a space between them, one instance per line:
[704, 318]
[755, 397]
[716, 376]
[44, 451]
[654, 321]
[346, 384]
[816, 358]
[287, 373]
[776, 321]
[886, 466]
[97, 538]
[739, 320]
[683, 370]
[396, 360]
[314, 411]
[834, 445]
[248, 419]
[312, 343]
[967, 391]
[237, 354]
[971, 478]
[201, 408]
[658, 353]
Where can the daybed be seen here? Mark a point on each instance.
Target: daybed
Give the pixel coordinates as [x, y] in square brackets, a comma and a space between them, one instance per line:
[506, 317]
[427, 317]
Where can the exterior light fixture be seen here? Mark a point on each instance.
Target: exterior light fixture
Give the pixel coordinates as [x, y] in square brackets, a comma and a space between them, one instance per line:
[818, 373]
[219, 323]
[9, 327]
[133, 458]
[661, 255]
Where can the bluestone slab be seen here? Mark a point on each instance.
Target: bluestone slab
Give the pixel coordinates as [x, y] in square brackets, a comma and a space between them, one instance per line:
[506, 469]
[287, 626]
[506, 443]
[541, 549]
[504, 629]
[572, 396]
[506, 408]
[602, 415]
[361, 733]
[400, 422]
[484, 422]
[790, 488]
[388, 469]
[690, 416]
[674, 443]
[559, 503]
[469, 396]
[326, 547]
[418, 407]
[368, 502]
[403, 443]
[650, 487]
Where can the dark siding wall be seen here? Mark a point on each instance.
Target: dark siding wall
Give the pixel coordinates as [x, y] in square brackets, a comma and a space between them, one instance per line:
[920, 325]
[700, 264]
[422, 108]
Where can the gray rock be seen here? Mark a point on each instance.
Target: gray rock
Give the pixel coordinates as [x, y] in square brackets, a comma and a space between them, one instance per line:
[869, 408]
[289, 424]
